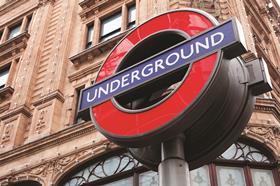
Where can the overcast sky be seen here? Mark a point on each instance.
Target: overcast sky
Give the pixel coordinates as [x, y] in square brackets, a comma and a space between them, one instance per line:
[278, 1]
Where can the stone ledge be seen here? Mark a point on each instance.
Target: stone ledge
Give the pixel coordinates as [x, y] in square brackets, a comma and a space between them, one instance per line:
[90, 7]
[47, 142]
[4, 107]
[23, 109]
[85, 71]
[9, 5]
[13, 46]
[6, 92]
[268, 105]
[89, 53]
[53, 95]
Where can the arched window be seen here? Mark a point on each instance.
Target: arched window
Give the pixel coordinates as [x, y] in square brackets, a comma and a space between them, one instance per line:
[25, 183]
[239, 165]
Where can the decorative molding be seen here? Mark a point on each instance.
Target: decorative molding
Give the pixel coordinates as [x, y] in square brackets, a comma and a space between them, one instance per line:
[13, 46]
[10, 5]
[7, 132]
[5, 93]
[88, 54]
[60, 165]
[44, 2]
[53, 95]
[4, 107]
[23, 109]
[268, 106]
[48, 141]
[41, 124]
[90, 7]
[266, 134]
[85, 71]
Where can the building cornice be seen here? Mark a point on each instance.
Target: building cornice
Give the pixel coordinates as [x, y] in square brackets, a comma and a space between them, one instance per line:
[14, 46]
[10, 5]
[47, 142]
[23, 109]
[90, 7]
[85, 71]
[268, 106]
[53, 95]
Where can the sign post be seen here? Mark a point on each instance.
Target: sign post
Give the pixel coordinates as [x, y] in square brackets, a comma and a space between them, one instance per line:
[173, 169]
[175, 93]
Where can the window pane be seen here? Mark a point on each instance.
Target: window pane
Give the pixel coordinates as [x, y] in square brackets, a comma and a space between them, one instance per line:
[123, 182]
[14, 31]
[241, 152]
[3, 77]
[1, 33]
[149, 178]
[131, 16]
[111, 26]
[89, 36]
[230, 176]
[28, 22]
[83, 115]
[200, 177]
[262, 177]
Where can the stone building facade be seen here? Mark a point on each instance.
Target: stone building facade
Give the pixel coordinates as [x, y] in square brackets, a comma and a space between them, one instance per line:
[51, 49]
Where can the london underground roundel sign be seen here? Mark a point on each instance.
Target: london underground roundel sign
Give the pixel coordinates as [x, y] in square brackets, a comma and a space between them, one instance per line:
[163, 77]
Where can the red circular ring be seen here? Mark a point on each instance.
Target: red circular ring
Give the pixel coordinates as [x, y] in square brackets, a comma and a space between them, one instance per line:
[115, 123]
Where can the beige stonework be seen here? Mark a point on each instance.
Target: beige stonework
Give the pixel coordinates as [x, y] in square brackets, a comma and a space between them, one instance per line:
[39, 139]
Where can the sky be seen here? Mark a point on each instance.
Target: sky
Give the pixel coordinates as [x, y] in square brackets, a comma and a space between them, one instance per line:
[278, 1]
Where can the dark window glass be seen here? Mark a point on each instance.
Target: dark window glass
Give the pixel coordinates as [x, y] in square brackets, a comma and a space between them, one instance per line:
[84, 115]
[1, 34]
[131, 17]
[29, 18]
[89, 41]
[4, 73]
[14, 31]
[110, 26]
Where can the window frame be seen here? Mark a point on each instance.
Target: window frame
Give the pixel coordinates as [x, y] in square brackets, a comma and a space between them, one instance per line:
[84, 116]
[88, 38]
[115, 32]
[103, 15]
[5, 68]
[24, 22]
[132, 24]
[135, 172]
[18, 26]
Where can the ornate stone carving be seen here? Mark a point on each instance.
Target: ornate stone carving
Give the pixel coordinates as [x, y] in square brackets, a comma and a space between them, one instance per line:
[60, 165]
[268, 134]
[6, 134]
[41, 122]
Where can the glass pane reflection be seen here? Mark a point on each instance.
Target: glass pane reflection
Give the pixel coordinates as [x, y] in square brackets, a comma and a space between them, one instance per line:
[262, 177]
[149, 178]
[230, 176]
[123, 182]
[200, 177]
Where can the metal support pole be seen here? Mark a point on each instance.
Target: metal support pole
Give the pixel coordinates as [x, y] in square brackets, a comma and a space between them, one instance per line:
[173, 169]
